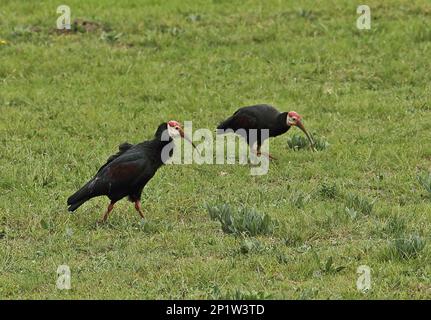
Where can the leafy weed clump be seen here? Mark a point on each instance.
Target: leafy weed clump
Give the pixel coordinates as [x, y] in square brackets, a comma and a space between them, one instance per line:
[298, 142]
[356, 204]
[395, 226]
[328, 190]
[298, 199]
[406, 248]
[251, 245]
[238, 294]
[326, 266]
[244, 221]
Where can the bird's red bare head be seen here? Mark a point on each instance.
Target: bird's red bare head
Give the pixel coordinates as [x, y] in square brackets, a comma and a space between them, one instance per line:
[294, 119]
[175, 129]
[294, 115]
[174, 124]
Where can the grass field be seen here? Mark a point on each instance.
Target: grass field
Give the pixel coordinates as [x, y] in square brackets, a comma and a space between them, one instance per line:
[68, 100]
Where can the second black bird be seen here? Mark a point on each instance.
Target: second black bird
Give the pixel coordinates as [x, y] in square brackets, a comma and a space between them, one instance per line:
[259, 117]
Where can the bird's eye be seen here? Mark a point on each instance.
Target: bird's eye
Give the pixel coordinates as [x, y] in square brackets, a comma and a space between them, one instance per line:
[176, 128]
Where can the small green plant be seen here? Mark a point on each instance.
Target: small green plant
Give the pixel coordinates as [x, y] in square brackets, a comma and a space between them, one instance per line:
[45, 224]
[22, 31]
[320, 143]
[328, 190]
[358, 204]
[307, 14]
[247, 221]
[111, 36]
[237, 294]
[194, 17]
[327, 267]
[395, 226]
[352, 213]
[425, 181]
[423, 35]
[224, 215]
[283, 258]
[154, 226]
[406, 248]
[250, 245]
[298, 142]
[253, 223]
[293, 239]
[308, 294]
[298, 199]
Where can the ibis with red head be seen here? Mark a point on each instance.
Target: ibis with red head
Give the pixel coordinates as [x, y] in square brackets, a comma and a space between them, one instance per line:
[260, 117]
[126, 173]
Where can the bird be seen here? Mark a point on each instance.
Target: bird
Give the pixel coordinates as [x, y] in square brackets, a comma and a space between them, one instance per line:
[259, 117]
[126, 173]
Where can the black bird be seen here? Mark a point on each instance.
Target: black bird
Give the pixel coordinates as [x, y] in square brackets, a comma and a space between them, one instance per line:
[127, 172]
[259, 117]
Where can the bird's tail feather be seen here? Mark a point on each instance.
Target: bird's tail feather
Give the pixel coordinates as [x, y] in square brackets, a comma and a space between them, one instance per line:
[225, 124]
[76, 205]
[79, 197]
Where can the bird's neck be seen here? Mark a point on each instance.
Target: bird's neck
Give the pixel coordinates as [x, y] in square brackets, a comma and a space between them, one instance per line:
[282, 120]
[158, 149]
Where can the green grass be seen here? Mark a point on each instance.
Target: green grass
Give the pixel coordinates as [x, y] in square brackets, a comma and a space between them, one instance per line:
[68, 100]
[425, 182]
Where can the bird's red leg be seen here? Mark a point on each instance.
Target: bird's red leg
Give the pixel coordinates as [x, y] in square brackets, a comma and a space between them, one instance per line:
[108, 211]
[253, 150]
[258, 152]
[270, 157]
[139, 208]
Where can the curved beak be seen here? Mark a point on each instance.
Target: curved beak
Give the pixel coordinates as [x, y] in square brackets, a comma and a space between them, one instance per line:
[185, 137]
[301, 126]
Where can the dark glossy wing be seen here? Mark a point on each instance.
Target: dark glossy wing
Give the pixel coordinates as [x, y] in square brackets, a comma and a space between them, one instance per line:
[238, 120]
[130, 170]
[113, 179]
[122, 148]
[261, 116]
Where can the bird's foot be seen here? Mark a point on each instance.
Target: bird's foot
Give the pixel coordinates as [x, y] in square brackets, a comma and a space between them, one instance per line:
[138, 208]
[268, 155]
[101, 222]
[106, 215]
